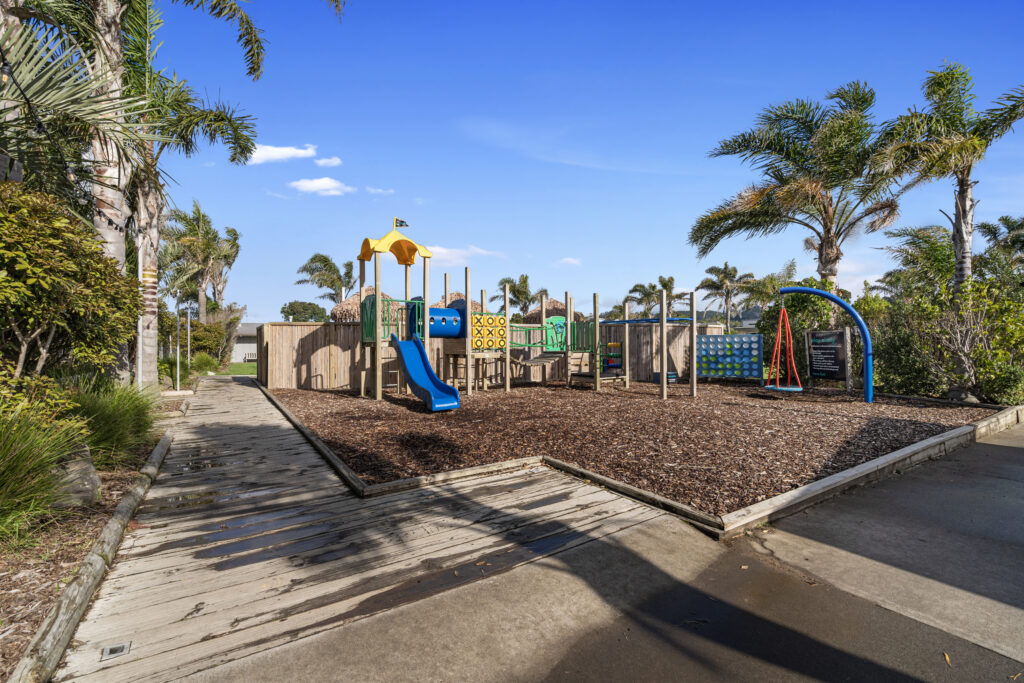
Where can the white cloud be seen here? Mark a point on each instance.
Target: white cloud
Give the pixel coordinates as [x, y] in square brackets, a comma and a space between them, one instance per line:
[570, 261]
[268, 153]
[208, 164]
[420, 201]
[277, 195]
[379, 190]
[325, 187]
[444, 256]
[328, 161]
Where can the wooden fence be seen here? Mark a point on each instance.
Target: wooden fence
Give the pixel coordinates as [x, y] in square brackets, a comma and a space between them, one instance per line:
[326, 355]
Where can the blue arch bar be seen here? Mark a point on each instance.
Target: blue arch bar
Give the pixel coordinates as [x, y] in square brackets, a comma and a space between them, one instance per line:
[869, 375]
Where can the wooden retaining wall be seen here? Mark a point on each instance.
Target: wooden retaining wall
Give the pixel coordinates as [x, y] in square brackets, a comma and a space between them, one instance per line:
[326, 355]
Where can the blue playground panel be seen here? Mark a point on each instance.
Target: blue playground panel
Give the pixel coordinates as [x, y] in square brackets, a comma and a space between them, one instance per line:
[735, 355]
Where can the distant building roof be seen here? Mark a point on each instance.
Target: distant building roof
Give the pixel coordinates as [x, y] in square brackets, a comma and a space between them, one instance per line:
[247, 329]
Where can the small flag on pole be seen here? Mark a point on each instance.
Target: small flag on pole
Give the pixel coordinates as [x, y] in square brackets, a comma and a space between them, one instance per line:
[399, 223]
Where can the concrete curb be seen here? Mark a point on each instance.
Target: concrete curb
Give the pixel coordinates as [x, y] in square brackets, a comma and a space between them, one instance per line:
[47, 648]
[348, 476]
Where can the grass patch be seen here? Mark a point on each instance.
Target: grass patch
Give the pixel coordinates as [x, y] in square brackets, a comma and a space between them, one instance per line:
[31, 448]
[120, 418]
[239, 369]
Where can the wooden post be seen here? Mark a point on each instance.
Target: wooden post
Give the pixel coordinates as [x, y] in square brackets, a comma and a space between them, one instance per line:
[568, 339]
[403, 385]
[693, 344]
[597, 345]
[664, 347]
[625, 342]
[362, 347]
[426, 306]
[378, 351]
[468, 322]
[447, 291]
[483, 361]
[849, 365]
[543, 336]
[807, 356]
[508, 344]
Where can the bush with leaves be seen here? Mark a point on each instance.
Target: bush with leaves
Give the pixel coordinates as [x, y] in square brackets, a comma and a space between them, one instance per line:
[120, 417]
[203, 362]
[60, 297]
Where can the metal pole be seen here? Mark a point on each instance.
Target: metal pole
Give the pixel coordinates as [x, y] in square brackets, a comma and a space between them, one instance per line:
[177, 344]
[188, 328]
[693, 344]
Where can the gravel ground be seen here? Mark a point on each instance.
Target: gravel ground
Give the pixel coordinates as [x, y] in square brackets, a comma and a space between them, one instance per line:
[32, 576]
[731, 446]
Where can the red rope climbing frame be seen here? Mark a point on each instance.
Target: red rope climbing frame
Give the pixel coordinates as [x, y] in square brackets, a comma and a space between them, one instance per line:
[776, 366]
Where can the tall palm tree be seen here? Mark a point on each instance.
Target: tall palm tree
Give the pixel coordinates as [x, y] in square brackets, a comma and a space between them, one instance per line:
[520, 295]
[321, 271]
[646, 296]
[725, 284]
[196, 252]
[179, 120]
[98, 26]
[817, 173]
[671, 296]
[764, 291]
[947, 140]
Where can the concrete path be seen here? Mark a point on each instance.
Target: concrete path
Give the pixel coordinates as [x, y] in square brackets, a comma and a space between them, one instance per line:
[943, 543]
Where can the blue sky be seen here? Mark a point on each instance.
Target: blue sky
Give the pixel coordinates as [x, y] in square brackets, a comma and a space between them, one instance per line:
[566, 140]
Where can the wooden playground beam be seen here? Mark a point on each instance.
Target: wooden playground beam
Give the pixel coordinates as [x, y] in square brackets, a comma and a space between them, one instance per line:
[378, 352]
[597, 345]
[426, 308]
[508, 344]
[664, 346]
[483, 360]
[468, 322]
[625, 342]
[543, 336]
[693, 344]
[362, 347]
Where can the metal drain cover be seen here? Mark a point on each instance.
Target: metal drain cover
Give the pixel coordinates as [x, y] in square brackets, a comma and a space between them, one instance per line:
[112, 651]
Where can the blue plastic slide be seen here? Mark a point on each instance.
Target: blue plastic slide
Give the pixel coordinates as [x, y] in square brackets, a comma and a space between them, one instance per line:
[421, 378]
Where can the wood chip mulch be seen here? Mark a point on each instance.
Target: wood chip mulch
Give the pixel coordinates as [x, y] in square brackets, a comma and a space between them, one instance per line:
[732, 446]
[31, 576]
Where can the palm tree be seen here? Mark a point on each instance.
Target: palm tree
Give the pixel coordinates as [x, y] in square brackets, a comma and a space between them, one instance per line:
[180, 121]
[947, 140]
[817, 173]
[195, 252]
[764, 291]
[519, 294]
[726, 284]
[1006, 232]
[98, 26]
[321, 271]
[671, 297]
[645, 296]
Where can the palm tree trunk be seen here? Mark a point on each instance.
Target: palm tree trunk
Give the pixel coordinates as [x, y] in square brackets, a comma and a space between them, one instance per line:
[111, 170]
[728, 313]
[202, 302]
[149, 210]
[963, 229]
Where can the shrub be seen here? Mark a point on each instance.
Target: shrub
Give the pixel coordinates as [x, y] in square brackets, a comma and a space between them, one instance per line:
[207, 338]
[203, 362]
[31, 448]
[1002, 382]
[119, 417]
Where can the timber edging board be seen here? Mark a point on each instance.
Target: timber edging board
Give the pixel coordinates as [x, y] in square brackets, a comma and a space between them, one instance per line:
[52, 637]
[932, 448]
[346, 473]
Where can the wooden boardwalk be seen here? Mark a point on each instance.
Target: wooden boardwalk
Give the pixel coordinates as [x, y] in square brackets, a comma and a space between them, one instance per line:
[247, 540]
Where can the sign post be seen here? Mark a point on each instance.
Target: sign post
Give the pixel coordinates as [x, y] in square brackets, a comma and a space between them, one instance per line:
[828, 356]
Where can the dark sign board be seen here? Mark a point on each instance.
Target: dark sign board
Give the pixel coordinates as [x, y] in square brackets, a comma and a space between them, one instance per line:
[827, 355]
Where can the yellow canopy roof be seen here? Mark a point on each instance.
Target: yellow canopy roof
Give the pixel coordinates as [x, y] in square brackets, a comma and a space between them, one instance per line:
[402, 247]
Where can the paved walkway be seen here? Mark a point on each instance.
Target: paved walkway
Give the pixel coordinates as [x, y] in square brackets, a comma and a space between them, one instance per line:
[253, 562]
[943, 543]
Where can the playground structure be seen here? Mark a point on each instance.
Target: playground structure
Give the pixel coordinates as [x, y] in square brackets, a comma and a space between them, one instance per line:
[472, 339]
